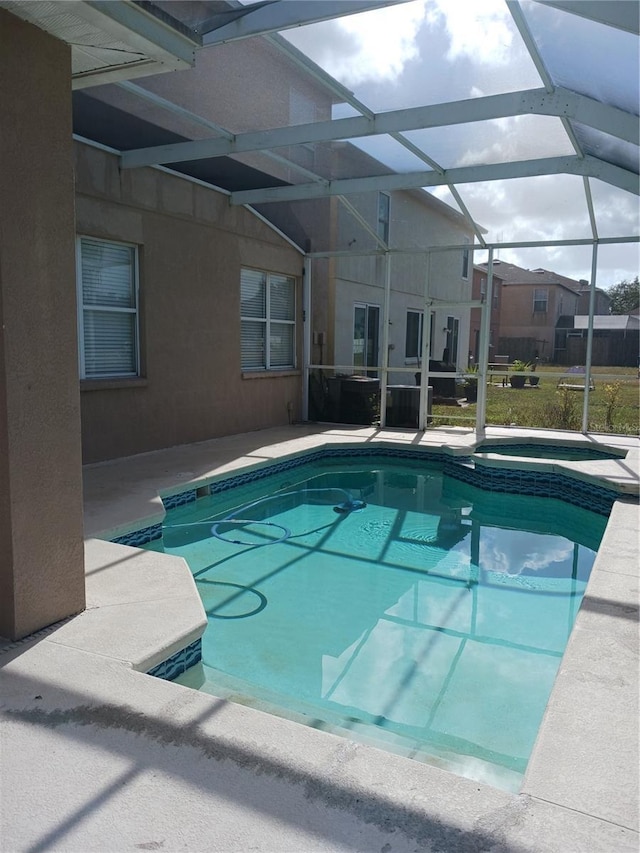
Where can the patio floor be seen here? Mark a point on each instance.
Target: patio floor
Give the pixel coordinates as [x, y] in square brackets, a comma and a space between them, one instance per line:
[98, 756]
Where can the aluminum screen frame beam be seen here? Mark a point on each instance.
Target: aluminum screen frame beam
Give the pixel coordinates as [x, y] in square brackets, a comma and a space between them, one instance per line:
[532, 47]
[343, 94]
[622, 16]
[175, 109]
[275, 16]
[561, 103]
[572, 165]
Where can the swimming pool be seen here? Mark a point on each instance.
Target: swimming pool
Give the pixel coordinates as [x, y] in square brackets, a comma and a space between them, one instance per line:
[380, 598]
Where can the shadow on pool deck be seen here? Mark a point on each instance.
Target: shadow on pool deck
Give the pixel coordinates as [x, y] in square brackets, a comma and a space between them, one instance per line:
[188, 745]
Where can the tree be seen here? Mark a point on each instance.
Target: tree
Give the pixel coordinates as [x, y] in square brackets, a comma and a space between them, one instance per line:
[625, 296]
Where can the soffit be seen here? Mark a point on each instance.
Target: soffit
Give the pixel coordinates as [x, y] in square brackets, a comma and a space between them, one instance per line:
[110, 41]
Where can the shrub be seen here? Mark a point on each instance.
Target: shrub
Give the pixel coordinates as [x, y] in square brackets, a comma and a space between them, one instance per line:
[564, 412]
[611, 394]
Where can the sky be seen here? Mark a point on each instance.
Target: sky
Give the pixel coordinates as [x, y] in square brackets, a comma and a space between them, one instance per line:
[434, 51]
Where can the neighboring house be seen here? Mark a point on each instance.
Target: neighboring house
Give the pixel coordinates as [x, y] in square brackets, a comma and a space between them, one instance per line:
[536, 310]
[409, 219]
[479, 291]
[602, 303]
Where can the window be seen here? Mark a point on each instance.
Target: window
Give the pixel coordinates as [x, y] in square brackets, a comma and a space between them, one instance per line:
[384, 205]
[107, 309]
[414, 333]
[466, 256]
[540, 299]
[268, 326]
[366, 324]
[450, 354]
[413, 339]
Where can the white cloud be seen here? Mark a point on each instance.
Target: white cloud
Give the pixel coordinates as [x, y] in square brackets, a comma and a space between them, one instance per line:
[553, 207]
[370, 47]
[514, 138]
[520, 550]
[478, 31]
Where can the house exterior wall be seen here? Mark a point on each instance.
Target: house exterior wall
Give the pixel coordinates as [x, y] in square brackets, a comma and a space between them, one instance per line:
[240, 86]
[231, 87]
[192, 246]
[415, 223]
[478, 289]
[602, 301]
[523, 330]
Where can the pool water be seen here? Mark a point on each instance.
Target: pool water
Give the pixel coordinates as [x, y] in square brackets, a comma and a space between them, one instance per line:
[392, 603]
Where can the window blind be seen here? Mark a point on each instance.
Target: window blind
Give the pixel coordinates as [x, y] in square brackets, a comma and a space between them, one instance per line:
[267, 308]
[109, 318]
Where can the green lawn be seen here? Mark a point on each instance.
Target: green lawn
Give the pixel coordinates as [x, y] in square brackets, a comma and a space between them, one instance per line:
[614, 404]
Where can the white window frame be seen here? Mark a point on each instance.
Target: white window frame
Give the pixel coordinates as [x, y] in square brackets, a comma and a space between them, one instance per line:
[538, 299]
[268, 321]
[135, 309]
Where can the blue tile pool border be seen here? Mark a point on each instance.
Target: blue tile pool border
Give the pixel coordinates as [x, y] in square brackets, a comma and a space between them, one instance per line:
[505, 480]
[179, 662]
[179, 499]
[140, 537]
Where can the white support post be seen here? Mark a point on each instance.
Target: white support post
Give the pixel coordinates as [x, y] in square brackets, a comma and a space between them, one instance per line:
[423, 418]
[483, 355]
[306, 334]
[587, 366]
[385, 339]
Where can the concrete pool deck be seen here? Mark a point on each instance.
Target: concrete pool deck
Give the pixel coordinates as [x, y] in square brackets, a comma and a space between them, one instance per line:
[97, 755]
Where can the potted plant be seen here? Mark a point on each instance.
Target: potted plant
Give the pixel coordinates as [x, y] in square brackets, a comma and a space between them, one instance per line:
[533, 380]
[518, 378]
[470, 383]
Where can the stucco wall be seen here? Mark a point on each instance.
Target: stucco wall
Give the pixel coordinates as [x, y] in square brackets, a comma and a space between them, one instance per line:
[475, 316]
[519, 321]
[41, 550]
[241, 86]
[192, 246]
[415, 223]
